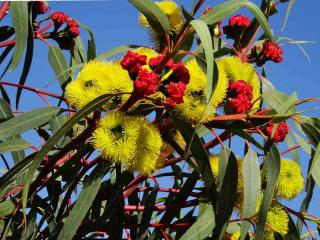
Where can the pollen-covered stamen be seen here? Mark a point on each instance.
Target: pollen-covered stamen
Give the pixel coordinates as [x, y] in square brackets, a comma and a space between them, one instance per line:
[117, 132]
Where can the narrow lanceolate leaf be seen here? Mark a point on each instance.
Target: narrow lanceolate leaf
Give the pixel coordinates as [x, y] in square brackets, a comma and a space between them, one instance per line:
[227, 8]
[83, 203]
[20, 20]
[156, 18]
[203, 227]
[91, 53]
[251, 188]
[228, 179]
[13, 145]
[59, 65]
[7, 207]
[272, 163]
[26, 121]
[115, 51]
[26, 64]
[205, 38]
[315, 167]
[90, 107]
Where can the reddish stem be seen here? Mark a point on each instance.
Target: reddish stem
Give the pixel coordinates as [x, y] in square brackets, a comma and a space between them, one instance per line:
[185, 204]
[49, 25]
[32, 89]
[3, 9]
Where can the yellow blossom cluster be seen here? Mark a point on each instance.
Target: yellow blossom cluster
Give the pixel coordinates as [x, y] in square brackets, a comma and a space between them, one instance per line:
[129, 140]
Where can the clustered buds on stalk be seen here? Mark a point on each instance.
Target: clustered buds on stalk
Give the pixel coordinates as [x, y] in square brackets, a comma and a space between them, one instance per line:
[269, 51]
[280, 132]
[39, 7]
[237, 24]
[240, 96]
[148, 82]
[72, 30]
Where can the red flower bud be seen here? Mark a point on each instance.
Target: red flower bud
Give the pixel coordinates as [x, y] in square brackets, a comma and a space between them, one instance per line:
[272, 51]
[147, 82]
[59, 18]
[280, 133]
[154, 62]
[236, 26]
[74, 29]
[181, 73]
[240, 94]
[132, 62]
[39, 7]
[176, 93]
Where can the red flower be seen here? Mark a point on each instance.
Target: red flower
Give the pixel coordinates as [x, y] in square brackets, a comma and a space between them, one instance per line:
[240, 104]
[236, 26]
[154, 62]
[269, 51]
[59, 18]
[181, 73]
[280, 133]
[176, 93]
[39, 7]
[147, 82]
[240, 87]
[132, 62]
[239, 20]
[240, 96]
[74, 29]
[272, 51]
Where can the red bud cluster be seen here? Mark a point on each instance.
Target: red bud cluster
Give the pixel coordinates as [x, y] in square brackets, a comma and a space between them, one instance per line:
[72, 30]
[269, 51]
[148, 82]
[280, 133]
[39, 7]
[240, 96]
[237, 24]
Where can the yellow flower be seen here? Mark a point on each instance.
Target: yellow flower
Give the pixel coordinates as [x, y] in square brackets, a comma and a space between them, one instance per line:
[277, 219]
[116, 137]
[131, 141]
[235, 236]
[214, 163]
[290, 182]
[171, 10]
[236, 70]
[148, 149]
[87, 86]
[98, 78]
[194, 108]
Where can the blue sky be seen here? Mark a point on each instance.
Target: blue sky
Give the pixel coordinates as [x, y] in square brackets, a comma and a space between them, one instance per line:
[115, 23]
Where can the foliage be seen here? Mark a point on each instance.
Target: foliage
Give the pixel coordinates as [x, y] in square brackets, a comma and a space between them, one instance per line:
[127, 149]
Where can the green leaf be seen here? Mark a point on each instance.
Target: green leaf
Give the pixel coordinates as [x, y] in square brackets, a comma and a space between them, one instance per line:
[91, 53]
[90, 107]
[59, 65]
[12, 145]
[26, 64]
[6, 208]
[20, 21]
[290, 5]
[205, 38]
[293, 233]
[26, 121]
[227, 8]
[199, 153]
[315, 166]
[156, 18]
[203, 227]
[117, 50]
[272, 163]
[228, 179]
[287, 109]
[83, 203]
[251, 188]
